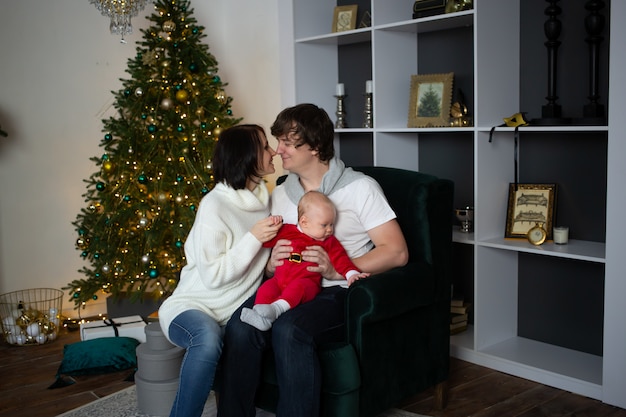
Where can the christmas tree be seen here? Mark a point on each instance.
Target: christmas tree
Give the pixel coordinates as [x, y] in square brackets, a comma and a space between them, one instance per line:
[429, 105]
[156, 165]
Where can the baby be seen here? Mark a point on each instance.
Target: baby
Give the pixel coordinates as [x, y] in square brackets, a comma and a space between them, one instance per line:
[292, 283]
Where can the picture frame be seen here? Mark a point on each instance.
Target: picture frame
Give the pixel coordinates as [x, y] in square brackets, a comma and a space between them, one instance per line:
[344, 18]
[430, 100]
[530, 204]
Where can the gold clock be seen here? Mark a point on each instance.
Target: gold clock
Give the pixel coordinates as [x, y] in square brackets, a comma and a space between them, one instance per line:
[537, 234]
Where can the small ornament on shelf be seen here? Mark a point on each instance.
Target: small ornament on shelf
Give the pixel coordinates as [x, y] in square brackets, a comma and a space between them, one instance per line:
[459, 115]
[424, 8]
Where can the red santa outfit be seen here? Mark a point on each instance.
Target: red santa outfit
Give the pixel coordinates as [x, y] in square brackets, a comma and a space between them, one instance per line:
[292, 281]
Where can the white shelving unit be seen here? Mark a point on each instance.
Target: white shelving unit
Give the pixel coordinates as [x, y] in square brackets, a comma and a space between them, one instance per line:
[389, 53]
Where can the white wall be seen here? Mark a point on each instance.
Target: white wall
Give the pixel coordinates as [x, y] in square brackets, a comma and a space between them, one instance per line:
[58, 65]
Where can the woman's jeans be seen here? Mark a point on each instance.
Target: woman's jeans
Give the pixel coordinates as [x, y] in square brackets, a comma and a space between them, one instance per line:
[201, 337]
[294, 337]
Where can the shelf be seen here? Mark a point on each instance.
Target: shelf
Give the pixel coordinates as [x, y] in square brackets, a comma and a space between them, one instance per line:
[570, 128]
[579, 371]
[462, 237]
[340, 38]
[575, 249]
[431, 23]
[426, 129]
[567, 369]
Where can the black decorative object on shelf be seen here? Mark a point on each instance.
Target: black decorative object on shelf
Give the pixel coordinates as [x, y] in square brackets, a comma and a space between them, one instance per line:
[593, 112]
[423, 8]
[551, 112]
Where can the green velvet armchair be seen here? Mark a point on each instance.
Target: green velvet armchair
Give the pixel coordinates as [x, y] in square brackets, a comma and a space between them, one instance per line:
[397, 341]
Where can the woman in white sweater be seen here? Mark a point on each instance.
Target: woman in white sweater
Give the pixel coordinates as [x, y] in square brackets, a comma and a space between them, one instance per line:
[225, 260]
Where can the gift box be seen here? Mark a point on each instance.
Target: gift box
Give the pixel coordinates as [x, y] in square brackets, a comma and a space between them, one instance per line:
[131, 326]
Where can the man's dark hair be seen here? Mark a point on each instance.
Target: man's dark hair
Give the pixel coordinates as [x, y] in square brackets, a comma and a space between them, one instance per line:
[312, 126]
[236, 156]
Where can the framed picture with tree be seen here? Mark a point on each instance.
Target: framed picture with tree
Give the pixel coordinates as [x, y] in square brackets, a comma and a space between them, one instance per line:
[431, 98]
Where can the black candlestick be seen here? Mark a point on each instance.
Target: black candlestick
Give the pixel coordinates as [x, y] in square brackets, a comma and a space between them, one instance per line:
[593, 112]
[551, 112]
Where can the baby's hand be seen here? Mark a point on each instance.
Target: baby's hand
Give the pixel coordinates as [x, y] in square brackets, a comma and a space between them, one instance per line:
[267, 228]
[276, 220]
[357, 277]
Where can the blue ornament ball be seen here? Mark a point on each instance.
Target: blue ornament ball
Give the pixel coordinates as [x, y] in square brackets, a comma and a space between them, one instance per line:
[108, 137]
[152, 128]
[154, 273]
[100, 186]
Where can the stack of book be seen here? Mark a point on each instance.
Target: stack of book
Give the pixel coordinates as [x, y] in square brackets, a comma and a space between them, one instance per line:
[458, 314]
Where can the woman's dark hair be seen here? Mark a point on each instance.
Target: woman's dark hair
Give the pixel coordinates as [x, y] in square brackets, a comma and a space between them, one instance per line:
[237, 153]
[312, 126]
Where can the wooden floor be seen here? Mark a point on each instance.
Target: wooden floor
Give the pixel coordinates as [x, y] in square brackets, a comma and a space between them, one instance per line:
[26, 372]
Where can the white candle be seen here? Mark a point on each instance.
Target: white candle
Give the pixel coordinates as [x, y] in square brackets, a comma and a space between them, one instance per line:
[340, 89]
[368, 86]
[560, 235]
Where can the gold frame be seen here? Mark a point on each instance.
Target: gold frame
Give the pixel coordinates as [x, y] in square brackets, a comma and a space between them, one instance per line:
[339, 23]
[540, 202]
[443, 85]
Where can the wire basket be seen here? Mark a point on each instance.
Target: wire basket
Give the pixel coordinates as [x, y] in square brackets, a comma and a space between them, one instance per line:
[31, 317]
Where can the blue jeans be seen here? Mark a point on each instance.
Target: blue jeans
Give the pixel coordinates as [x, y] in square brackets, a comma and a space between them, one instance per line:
[201, 336]
[294, 337]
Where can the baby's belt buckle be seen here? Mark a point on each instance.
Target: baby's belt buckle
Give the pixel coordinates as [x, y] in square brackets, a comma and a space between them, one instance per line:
[295, 257]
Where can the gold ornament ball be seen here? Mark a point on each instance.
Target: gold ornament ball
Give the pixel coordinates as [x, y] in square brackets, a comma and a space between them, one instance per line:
[169, 26]
[182, 95]
[217, 131]
[107, 166]
[82, 243]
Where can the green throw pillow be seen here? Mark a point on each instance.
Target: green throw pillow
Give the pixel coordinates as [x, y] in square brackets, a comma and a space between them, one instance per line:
[97, 356]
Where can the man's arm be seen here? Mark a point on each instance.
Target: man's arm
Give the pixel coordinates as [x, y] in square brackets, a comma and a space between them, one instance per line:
[389, 251]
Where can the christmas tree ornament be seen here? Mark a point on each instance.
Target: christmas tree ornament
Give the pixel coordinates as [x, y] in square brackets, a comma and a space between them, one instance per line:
[182, 95]
[167, 103]
[138, 92]
[169, 26]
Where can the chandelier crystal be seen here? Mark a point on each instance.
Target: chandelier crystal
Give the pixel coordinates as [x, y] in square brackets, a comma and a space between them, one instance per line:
[120, 12]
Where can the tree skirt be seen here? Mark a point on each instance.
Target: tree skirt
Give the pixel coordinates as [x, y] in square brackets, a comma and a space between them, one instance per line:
[124, 404]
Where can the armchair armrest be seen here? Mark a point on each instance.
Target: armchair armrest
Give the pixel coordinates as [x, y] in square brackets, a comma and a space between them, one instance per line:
[389, 294]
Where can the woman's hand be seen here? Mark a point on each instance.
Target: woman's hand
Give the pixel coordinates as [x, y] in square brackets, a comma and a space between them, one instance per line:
[280, 252]
[266, 229]
[318, 255]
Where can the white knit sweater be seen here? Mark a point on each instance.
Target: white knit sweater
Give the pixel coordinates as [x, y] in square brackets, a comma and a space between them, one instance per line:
[225, 261]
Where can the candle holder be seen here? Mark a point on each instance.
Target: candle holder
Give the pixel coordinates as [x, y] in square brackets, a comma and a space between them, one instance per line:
[340, 112]
[368, 120]
[466, 217]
